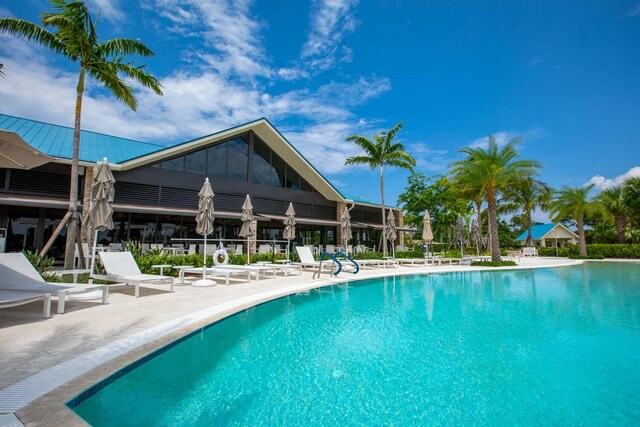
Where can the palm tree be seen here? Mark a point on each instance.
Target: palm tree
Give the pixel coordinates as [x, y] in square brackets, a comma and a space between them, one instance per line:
[573, 203]
[614, 204]
[74, 36]
[525, 197]
[379, 153]
[631, 194]
[491, 172]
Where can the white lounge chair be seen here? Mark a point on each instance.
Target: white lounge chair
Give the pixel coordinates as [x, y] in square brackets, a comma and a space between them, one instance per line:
[254, 269]
[529, 251]
[412, 262]
[122, 268]
[18, 274]
[15, 298]
[214, 272]
[281, 268]
[306, 258]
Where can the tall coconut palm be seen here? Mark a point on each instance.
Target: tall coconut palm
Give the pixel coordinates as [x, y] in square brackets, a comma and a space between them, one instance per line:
[73, 35]
[525, 197]
[631, 194]
[492, 171]
[381, 152]
[573, 203]
[614, 204]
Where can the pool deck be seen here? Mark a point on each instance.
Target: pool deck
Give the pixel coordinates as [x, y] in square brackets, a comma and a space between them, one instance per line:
[44, 362]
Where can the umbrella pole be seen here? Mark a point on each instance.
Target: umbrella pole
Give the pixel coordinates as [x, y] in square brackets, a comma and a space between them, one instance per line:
[288, 244]
[204, 263]
[93, 256]
[248, 254]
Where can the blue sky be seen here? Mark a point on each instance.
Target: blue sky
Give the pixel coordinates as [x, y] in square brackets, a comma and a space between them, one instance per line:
[563, 75]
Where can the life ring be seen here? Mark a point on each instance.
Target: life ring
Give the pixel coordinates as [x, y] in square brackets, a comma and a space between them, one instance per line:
[220, 253]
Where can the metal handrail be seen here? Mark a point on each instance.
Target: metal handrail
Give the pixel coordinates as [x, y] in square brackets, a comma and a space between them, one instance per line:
[335, 260]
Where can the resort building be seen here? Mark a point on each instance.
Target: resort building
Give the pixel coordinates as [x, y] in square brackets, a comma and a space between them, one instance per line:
[550, 235]
[156, 190]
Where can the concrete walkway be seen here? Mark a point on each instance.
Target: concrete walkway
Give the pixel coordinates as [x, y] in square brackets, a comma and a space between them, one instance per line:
[31, 344]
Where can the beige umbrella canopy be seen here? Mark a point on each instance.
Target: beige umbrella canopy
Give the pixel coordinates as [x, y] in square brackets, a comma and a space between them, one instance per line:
[15, 153]
[247, 219]
[427, 231]
[100, 215]
[345, 227]
[289, 226]
[390, 232]
[204, 226]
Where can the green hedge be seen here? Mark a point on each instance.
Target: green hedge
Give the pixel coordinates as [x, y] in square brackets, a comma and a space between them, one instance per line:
[493, 263]
[596, 250]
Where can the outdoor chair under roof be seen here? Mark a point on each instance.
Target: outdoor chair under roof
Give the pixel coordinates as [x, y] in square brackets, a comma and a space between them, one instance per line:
[18, 274]
[16, 298]
[122, 268]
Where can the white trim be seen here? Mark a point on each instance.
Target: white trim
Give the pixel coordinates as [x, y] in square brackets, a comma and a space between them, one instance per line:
[557, 225]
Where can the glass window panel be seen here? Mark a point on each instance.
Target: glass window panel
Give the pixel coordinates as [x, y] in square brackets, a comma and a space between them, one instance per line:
[293, 179]
[196, 162]
[176, 164]
[304, 185]
[261, 163]
[238, 160]
[278, 168]
[217, 161]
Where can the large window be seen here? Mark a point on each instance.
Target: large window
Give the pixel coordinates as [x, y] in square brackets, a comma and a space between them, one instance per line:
[270, 169]
[228, 159]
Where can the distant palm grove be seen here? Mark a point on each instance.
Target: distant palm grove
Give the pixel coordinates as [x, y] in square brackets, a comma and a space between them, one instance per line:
[492, 183]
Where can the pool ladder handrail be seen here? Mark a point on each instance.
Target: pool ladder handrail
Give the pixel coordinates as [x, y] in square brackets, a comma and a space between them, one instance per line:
[335, 260]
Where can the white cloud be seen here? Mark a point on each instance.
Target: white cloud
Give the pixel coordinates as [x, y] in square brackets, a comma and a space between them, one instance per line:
[106, 9]
[227, 30]
[427, 158]
[331, 21]
[602, 183]
[633, 11]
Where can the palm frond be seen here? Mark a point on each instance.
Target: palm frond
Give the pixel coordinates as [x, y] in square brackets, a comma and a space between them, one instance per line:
[122, 46]
[361, 160]
[32, 32]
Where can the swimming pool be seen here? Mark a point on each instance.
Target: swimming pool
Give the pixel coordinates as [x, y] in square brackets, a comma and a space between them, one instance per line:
[548, 346]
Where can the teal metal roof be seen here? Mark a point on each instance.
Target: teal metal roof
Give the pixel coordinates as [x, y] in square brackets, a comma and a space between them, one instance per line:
[57, 141]
[537, 231]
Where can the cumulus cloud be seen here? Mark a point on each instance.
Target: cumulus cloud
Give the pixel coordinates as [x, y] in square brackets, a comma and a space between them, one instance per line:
[427, 158]
[603, 183]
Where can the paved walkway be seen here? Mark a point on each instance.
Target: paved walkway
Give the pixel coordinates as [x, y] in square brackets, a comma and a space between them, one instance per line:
[31, 344]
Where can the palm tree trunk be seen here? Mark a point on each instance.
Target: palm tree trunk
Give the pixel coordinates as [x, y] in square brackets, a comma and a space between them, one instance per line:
[72, 226]
[621, 225]
[529, 235]
[582, 242]
[384, 218]
[493, 226]
[479, 214]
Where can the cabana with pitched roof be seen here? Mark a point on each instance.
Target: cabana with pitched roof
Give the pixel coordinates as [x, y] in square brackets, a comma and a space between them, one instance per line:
[548, 235]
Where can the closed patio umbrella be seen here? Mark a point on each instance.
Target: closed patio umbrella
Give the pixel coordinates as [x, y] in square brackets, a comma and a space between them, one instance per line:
[289, 226]
[390, 232]
[247, 219]
[345, 228]
[427, 232]
[459, 232]
[475, 235]
[100, 215]
[204, 226]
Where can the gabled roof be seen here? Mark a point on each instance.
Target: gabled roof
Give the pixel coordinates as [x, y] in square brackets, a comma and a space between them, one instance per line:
[539, 231]
[57, 141]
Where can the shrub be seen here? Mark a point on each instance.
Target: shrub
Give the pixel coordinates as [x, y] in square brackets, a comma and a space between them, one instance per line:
[41, 263]
[493, 263]
[585, 257]
[598, 251]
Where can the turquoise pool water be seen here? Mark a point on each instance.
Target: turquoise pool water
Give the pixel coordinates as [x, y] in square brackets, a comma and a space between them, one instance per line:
[551, 346]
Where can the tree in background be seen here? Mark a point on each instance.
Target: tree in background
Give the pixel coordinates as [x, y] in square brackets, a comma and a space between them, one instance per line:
[74, 36]
[492, 171]
[614, 205]
[436, 194]
[631, 195]
[525, 197]
[574, 204]
[381, 152]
